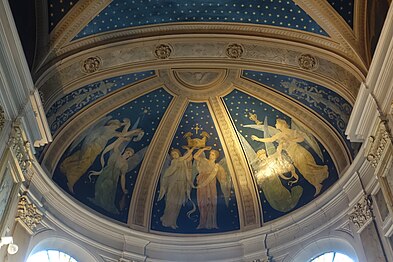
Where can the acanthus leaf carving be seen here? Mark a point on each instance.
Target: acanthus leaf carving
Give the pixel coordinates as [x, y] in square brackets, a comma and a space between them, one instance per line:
[20, 147]
[362, 214]
[378, 143]
[28, 214]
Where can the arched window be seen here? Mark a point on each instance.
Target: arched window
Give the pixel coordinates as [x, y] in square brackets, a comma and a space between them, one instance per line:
[51, 256]
[332, 257]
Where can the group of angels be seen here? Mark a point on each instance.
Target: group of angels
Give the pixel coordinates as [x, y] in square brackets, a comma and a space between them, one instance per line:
[187, 172]
[272, 163]
[122, 159]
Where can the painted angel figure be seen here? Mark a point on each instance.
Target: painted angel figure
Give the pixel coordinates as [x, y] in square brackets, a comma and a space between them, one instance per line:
[209, 172]
[120, 162]
[288, 140]
[93, 142]
[176, 185]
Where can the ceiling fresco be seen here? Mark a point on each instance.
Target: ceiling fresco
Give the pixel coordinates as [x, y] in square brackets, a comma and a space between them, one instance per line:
[345, 9]
[174, 134]
[325, 102]
[121, 14]
[195, 193]
[289, 164]
[101, 166]
[63, 109]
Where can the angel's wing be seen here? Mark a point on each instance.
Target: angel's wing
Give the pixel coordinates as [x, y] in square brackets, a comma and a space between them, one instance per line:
[164, 181]
[308, 137]
[250, 153]
[89, 131]
[136, 159]
[272, 130]
[224, 178]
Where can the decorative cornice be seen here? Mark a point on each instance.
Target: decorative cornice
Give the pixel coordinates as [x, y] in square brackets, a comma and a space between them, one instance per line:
[377, 144]
[20, 148]
[28, 214]
[362, 214]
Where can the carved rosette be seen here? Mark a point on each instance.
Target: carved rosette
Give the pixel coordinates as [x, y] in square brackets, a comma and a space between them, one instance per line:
[362, 214]
[307, 62]
[2, 118]
[28, 214]
[163, 51]
[91, 64]
[378, 144]
[20, 148]
[234, 51]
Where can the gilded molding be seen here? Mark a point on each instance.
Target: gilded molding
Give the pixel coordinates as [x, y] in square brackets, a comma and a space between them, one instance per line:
[74, 21]
[377, 144]
[2, 118]
[91, 64]
[247, 192]
[28, 214]
[149, 173]
[20, 147]
[325, 15]
[253, 31]
[361, 214]
[270, 57]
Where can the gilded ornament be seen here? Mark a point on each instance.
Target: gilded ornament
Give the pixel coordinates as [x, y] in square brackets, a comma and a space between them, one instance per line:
[163, 51]
[91, 64]
[2, 118]
[28, 214]
[361, 213]
[308, 62]
[234, 51]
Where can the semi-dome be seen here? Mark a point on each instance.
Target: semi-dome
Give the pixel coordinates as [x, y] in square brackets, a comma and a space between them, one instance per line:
[166, 117]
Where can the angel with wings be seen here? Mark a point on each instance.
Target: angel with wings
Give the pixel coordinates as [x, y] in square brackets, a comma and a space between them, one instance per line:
[209, 172]
[121, 161]
[93, 140]
[176, 185]
[289, 141]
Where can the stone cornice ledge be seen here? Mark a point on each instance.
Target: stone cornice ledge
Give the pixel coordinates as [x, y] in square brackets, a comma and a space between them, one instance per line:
[318, 215]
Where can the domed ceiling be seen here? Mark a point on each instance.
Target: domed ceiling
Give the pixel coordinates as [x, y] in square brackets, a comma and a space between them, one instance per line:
[199, 117]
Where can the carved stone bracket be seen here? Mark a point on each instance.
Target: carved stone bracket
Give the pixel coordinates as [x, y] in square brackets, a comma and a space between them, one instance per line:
[2, 118]
[362, 214]
[20, 148]
[377, 144]
[28, 215]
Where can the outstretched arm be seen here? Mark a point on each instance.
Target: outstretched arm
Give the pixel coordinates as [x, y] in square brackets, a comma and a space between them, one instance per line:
[266, 140]
[197, 155]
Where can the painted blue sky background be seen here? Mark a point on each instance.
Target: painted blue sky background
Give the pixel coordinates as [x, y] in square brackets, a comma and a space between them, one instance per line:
[227, 217]
[149, 109]
[64, 108]
[325, 102]
[239, 106]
